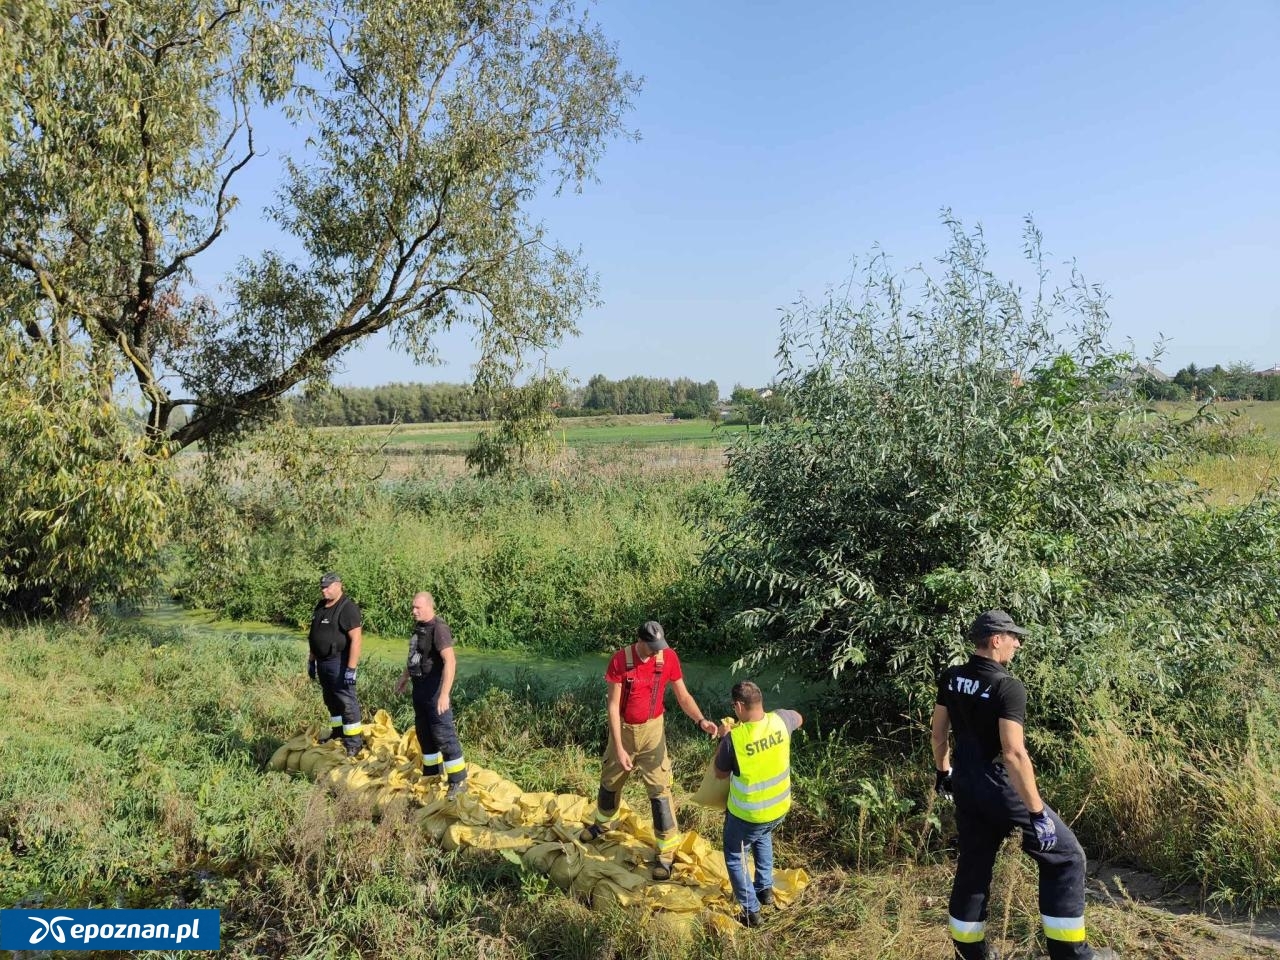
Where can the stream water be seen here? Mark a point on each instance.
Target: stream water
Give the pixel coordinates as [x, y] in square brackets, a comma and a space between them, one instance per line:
[712, 676]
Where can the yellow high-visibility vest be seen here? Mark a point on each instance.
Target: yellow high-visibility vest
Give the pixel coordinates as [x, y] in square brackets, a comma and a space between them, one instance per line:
[761, 790]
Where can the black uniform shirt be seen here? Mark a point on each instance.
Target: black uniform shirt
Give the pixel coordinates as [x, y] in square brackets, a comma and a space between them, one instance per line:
[331, 627]
[978, 695]
[429, 638]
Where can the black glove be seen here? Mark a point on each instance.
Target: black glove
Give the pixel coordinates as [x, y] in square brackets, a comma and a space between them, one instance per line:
[942, 784]
[349, 677]
[311, 669]
[1046, 832]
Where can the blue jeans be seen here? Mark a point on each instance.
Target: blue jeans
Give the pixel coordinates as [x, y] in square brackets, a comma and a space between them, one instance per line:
[741, 837]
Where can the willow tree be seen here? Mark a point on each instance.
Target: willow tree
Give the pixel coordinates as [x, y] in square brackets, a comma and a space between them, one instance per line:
[952, 443]
[430, 124]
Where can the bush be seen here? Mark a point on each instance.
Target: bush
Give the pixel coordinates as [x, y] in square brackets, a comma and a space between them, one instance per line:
[84, 512]
[952, 451]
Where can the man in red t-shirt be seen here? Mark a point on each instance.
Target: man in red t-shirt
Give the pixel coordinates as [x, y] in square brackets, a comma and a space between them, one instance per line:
[638, 676]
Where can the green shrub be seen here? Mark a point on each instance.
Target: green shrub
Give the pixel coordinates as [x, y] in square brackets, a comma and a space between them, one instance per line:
[949, 453]
[85, 499]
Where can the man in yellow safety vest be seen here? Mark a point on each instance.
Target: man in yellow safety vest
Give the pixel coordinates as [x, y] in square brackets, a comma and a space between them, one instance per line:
[756, 759]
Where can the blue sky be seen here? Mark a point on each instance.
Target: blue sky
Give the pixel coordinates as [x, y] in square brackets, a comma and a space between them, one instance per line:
[780, 142]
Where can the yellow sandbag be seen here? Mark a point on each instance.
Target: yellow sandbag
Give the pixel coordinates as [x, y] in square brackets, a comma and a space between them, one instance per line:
[787, 885]
[409, 747]
[462, 835]
[307, 762]
[435, 825]
[530, 810]
[712, 792]
[544, 828]
[542, 856]
[566, 868]
[672, 896]
[619, 883]
[278, 759]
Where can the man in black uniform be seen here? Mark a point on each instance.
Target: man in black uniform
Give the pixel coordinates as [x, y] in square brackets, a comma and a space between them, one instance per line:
[336, 632]
[995, 792]
[432, 665]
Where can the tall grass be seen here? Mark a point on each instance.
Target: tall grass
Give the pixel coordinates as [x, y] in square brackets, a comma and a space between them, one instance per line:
[557, 565]
[1208, 815]
[141, 782]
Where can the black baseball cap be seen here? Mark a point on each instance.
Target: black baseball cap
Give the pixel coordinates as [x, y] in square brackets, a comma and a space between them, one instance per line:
[995, 621]
[329, 579]
[651, 633]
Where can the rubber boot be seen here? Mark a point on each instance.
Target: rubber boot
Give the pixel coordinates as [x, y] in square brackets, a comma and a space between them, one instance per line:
[606, 808]
[664, 830]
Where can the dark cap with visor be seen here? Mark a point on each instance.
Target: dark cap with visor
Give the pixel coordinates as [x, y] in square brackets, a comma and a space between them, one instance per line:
[651, 633]
[992, 622]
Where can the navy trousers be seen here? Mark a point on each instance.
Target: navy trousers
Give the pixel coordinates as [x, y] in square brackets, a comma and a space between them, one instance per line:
[344, 708]
[988, 809]
[437, 733]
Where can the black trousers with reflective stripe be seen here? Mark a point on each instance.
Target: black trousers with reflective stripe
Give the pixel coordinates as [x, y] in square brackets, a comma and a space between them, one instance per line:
[988, 809]
[339, 699]
[437, 733]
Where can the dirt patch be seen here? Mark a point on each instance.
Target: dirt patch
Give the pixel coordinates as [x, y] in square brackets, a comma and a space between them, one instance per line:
[1228, 934]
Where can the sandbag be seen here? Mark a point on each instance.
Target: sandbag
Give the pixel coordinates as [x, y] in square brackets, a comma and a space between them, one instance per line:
[713, 792]
[542, 828]
[279, 758]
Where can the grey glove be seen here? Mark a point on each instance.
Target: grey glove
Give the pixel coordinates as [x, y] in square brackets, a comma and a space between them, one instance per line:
[349, 677]
[1046, 832]
[942, 784]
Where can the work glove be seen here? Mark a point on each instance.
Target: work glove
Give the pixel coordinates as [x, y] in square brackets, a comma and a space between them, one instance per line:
[349, 677]
[942, 784]
[311, 669]
[1046, 832]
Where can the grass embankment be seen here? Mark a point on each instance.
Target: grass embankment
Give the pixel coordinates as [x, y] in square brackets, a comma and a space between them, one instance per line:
[554, 565]
[141, 781]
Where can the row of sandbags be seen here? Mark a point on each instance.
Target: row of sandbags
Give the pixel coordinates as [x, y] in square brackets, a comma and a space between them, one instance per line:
[541, 828]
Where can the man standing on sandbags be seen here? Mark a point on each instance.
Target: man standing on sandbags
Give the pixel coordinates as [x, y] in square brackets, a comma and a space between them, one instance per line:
[334, 638]
[637, 677]
[432, 666]
[994, 787]
[755, 758]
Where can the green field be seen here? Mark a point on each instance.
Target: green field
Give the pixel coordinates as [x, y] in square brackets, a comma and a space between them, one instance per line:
[633, 430]
[1260, 413]
[1247, 466]
[654, 428]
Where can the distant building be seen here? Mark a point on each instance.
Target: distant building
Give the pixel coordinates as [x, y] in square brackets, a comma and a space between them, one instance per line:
[1148, 371]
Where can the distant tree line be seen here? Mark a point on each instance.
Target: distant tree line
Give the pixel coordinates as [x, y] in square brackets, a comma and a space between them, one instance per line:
[449, 402]
[1236, 381]
[389, 403]
[678, 397]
